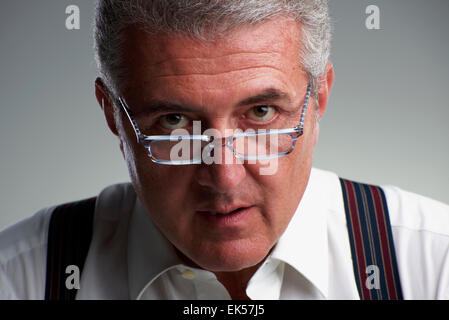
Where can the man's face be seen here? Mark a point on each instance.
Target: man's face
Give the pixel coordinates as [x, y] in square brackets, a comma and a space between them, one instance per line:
[210, 80]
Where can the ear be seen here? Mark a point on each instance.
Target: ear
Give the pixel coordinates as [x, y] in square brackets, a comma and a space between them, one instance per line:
[325, 84]
[104, 100]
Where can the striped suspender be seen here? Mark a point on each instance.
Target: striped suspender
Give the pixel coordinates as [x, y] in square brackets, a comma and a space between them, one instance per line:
[371, 239]
[69, 236]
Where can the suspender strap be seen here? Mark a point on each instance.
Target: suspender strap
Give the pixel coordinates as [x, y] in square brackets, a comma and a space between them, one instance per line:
[69, 236]
[371, 239]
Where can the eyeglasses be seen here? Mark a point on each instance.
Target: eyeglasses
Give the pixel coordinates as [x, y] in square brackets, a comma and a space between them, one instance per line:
[187, 149]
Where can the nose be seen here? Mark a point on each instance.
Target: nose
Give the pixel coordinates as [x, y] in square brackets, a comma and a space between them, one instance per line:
[224, 176]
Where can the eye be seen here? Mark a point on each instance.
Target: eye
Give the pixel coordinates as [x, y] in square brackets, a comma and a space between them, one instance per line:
[173, 121]
[261, 113]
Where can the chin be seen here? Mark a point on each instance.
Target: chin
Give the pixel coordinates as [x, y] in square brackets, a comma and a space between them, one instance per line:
[232, 256]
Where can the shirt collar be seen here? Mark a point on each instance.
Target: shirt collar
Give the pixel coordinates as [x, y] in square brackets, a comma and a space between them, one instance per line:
[304, 244]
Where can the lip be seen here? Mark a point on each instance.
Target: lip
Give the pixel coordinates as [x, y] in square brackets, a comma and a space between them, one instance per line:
[233, 218]
[222, 209]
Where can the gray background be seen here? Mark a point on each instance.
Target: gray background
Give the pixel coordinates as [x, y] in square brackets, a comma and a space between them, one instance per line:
[386, 121]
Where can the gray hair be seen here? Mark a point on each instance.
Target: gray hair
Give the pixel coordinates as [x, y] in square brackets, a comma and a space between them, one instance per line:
[206, 19]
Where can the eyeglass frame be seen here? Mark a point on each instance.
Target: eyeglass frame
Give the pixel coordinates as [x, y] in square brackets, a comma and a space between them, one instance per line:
[146, 141]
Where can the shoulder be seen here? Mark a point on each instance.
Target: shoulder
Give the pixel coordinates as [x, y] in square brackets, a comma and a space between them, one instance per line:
[23, 246]
[114, 200]
[416, 213]
[23, 249]
[420, 228]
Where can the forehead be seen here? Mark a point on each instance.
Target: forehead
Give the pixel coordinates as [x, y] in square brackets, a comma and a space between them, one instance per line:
[277, 34]
[161, 61]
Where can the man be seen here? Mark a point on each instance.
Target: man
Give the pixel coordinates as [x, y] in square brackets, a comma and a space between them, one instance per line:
[207, 221]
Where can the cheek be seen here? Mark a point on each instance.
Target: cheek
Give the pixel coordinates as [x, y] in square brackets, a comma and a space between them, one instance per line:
[286, 188]
[130, 160]
[162, 187]
[164, 192]
[157, 185]
[280, 193]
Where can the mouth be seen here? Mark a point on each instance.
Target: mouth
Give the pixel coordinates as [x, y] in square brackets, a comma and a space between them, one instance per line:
[220, 213]
[238, 217]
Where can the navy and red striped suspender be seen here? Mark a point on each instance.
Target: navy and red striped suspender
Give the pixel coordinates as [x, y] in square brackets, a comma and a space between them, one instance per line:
[367, 218]
[371, 240]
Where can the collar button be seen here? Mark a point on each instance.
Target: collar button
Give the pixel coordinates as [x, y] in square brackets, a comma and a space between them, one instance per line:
[188, 274]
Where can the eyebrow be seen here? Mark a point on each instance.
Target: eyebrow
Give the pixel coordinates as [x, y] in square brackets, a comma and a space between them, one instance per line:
[269, 94]
[160, 106]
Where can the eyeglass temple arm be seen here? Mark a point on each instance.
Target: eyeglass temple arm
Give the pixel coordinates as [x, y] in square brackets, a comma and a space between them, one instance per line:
[131, 118]
[304, 109]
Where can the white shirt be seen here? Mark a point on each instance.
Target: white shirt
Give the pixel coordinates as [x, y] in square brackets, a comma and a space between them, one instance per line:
[130, 259]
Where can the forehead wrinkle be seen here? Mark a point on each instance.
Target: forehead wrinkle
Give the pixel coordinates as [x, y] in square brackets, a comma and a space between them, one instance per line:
[215, 73]
[224, 63]
[243, 53]
[220, 64]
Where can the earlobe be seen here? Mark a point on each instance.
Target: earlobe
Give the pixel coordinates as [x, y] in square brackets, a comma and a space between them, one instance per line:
[104, 100]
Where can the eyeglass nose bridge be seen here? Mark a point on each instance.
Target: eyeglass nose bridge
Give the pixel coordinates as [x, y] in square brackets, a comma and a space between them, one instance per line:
[225, 141]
